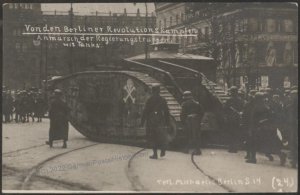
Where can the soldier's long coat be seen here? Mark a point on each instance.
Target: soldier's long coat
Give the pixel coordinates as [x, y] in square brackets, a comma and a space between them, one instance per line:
[58, 114]
[156, 115]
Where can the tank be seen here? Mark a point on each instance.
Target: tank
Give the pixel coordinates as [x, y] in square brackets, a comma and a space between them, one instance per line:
[106, 106]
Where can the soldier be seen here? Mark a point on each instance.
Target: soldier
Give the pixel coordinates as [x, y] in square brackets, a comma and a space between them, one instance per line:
[292, 127]
[270, 132]
[233, 108]
[39, 107]
[191, 116]
[258, 116]
[16, 104]
[58, 114]
[22, 109]
[156, 115]
[245, 121]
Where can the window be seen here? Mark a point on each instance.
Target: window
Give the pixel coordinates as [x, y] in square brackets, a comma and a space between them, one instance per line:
[159, 24]
[19, 32]
[22, 5]
[165, 23]
[182, 17]
[206, 33]
[24, 47]
[30, 6]
[16, 5]
[26, 6]
[18, 46]
[288, 26]
[11, 6]
[271, 25]
[171, 21]
[177, 19]
[252, 25]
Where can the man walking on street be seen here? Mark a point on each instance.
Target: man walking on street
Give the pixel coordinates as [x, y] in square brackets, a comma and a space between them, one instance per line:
[191, 116]
[58, 114]
[156, 115]
[233, 109]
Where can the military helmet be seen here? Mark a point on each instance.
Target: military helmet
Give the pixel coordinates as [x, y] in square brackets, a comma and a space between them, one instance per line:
[187, 95]
[57, 92]
[259, 95]
[252, 92]
[233, 90]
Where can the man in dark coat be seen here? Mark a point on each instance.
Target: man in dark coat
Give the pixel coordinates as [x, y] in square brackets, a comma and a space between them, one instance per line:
[156, 115]
[233, 108]
[191, 116]
[269, 133]
[292, 127]
[245, 121]
[259, 115]
[58, 114]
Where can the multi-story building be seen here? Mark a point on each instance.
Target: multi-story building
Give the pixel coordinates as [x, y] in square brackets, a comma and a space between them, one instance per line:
[28, 60]
[21, 58]
[256, 44]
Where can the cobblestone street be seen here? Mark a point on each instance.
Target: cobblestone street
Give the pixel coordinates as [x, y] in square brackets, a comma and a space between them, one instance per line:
[29, 164]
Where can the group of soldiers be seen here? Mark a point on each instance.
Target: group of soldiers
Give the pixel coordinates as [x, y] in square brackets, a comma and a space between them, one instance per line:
[260, 121]
[22, 105]
[264, 122]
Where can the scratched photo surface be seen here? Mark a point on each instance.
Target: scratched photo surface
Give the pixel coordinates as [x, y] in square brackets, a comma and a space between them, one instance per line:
[150, 97]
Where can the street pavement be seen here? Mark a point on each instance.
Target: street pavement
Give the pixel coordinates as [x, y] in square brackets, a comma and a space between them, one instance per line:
[29, 164]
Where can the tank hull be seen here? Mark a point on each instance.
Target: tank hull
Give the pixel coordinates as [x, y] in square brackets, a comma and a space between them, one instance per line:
[107, 106]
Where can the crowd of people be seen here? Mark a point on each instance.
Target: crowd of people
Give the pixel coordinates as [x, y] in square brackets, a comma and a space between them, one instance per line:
[260, 121]
[264, 122]
[21, 105]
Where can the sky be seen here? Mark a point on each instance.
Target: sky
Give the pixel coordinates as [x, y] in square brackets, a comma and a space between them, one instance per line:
[86, 8]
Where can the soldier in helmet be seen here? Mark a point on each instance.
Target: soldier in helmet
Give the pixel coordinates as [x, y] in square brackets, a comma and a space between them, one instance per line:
[233, 108]
[156, 116]
[191, 116]
[58, 114]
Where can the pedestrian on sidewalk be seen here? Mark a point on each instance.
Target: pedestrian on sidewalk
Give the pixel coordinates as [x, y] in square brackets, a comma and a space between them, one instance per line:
[156, 116]
[191, 117]
[58, 115]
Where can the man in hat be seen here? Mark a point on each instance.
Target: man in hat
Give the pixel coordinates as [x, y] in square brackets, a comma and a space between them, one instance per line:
[156, 116]
[191, 116]
[58, 114]
[257, 117]
[233, 108]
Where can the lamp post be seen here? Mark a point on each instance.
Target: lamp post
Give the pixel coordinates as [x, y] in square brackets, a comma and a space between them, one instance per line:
[146, 25]
[71, 49]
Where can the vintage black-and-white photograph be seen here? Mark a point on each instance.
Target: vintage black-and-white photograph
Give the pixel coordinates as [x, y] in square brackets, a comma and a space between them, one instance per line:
[150, 97]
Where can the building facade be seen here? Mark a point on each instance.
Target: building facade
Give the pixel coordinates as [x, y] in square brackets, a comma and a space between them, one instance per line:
[255, 44]
[28, 61]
